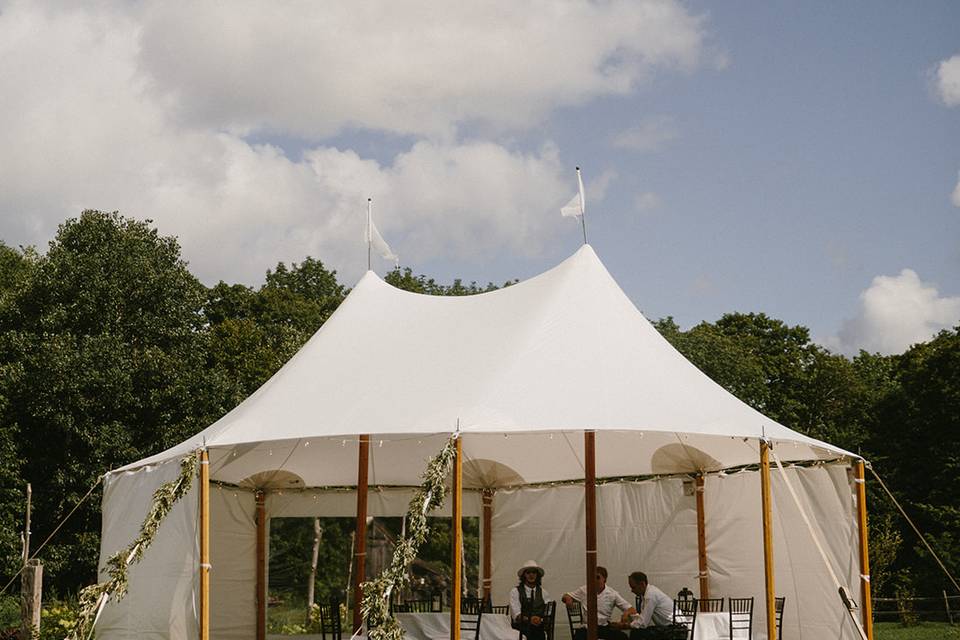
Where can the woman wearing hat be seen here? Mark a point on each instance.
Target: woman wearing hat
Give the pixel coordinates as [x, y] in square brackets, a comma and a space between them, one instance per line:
[528, 601]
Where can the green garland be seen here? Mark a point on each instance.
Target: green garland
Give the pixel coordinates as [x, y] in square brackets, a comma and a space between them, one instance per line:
[92, 598]
[381, 625]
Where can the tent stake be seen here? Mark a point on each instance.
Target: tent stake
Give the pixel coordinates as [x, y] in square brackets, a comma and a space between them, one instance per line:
[767, 537]
[865, 600]
[455, 565]
[360, 550]
[702, 539]
[487, 496]
[261, 564]
[204, 545]
[590, 500]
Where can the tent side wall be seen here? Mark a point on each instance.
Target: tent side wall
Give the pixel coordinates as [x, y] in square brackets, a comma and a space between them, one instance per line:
[233, 559]
[651, 526]
[161, 599]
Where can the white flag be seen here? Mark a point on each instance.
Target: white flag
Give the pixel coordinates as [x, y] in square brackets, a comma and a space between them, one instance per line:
[375, 240]
[578, 203]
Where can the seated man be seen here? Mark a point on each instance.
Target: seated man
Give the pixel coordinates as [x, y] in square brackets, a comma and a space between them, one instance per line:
[607, 600]
[528, 601]
[656, 609]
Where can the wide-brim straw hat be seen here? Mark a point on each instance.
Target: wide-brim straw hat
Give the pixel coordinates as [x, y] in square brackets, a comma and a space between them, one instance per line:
[530, 564]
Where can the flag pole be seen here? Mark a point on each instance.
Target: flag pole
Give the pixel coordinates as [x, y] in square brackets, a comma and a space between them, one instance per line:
[583, 218]
[369, 230]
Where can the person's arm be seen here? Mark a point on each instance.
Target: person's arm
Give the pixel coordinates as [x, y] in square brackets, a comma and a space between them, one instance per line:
[514, 604]
[622, 604]
[646, 615]
[546, 596]
[578, 595]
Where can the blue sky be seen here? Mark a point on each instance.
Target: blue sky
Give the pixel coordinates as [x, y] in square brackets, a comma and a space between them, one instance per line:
[799, 159]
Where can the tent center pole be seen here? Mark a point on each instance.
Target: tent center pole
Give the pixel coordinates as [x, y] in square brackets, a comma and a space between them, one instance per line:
[204, 545]
[865, 599]
[767, 537]
[360, 549]
[457, 539]
[487, 585]
[702, 539]
[590, 505]
[261, 501]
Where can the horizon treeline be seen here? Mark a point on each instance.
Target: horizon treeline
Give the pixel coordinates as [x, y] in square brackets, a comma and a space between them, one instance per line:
[111, 350]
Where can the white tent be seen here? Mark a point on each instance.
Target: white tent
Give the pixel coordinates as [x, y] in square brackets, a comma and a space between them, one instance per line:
[519, 373]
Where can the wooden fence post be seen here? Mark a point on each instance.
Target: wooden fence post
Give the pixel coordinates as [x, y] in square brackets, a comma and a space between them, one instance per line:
[31, 588]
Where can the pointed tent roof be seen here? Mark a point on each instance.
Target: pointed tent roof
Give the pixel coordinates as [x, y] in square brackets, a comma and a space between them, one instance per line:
[556, 354]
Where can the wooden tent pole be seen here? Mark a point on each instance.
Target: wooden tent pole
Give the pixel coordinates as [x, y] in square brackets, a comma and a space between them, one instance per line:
[702, 539]
[261, 501]
[865, 600]
[457, 538]
[487, 496]
[767, 537]
[360, 548]
[590, 500]
[204, 545]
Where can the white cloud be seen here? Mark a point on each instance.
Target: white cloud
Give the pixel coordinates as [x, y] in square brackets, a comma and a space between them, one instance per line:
[896, 312]
[404, 66]
[650, 134]
[143, 107]
[955, 196]
[948, 81]
[647, 201]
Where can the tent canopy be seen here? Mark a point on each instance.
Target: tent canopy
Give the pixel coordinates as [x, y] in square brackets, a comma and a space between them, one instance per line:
[519, 373]
[536, 363]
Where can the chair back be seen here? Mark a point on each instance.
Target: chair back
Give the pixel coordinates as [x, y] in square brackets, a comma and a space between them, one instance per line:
[502, 609]
[685, 613]
[741, 618]
[418, 606]
[471, 612]
[710, 605]
[330, 619]
[574, 616]
[549, 618]
[778, 604]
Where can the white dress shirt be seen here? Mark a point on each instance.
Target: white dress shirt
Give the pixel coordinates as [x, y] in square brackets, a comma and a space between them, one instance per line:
[515, 599]
[607, 600]
[655, 610]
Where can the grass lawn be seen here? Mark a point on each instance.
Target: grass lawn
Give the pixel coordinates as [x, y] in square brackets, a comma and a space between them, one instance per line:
[922, 631]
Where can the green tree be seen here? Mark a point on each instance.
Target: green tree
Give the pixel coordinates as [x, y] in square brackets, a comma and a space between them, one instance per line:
[102, 357]
[776, 369]
[253, 333]
[917, 443]
[15, 266]
[404, 279]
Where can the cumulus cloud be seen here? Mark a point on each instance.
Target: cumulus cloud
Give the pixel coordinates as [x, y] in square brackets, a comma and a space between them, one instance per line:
[403, 66]
[650, 134]
[896, 312]
[148, 109]
[947, 78]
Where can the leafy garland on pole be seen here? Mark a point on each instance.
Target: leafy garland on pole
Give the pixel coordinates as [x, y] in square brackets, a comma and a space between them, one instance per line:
[381, 625]
[93, 598]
